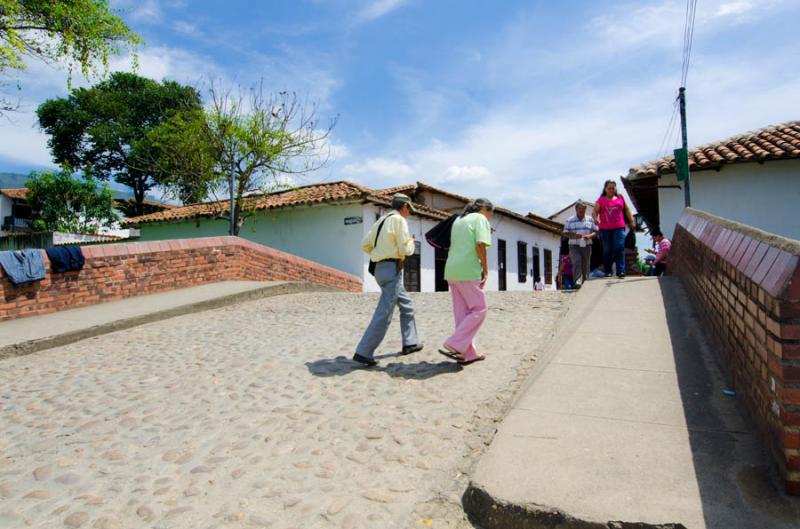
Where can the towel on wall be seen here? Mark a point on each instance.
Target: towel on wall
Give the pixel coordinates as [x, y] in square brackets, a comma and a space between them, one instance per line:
[65, 258]
[22, 267]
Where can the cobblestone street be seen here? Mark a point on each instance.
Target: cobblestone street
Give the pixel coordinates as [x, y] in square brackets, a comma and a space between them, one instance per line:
[253, 416]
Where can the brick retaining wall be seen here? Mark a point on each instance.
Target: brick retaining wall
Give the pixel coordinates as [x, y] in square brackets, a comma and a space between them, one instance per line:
[746, 283]
[117, 271]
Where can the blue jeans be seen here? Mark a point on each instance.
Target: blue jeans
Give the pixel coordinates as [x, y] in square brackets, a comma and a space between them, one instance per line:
[613, 250]
[390, 279]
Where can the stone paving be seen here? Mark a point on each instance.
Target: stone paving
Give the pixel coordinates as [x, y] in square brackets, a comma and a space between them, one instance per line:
[251, 416]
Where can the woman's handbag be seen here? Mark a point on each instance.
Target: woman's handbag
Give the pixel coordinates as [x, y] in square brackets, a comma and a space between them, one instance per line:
[439, 235]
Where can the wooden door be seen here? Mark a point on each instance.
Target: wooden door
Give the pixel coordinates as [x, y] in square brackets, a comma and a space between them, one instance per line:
[411, 271]
[548, 267]
[440, 260]
[501, 265]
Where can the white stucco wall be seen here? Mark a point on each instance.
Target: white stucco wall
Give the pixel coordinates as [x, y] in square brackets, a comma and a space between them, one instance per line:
[564, 215]
[511, 231]
[317, 233]
[5, 210]
[505, 228]
[417, 226]
[765, 196]
[5, 206]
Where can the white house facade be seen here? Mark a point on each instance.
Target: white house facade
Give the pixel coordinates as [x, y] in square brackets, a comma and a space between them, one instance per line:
[564, 214]
[752, 178]
[326, 223]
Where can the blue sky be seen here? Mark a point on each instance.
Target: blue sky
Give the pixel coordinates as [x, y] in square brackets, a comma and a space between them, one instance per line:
[529, 103]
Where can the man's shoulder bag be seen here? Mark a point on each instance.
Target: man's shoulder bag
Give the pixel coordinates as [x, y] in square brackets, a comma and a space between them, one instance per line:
[372, 263]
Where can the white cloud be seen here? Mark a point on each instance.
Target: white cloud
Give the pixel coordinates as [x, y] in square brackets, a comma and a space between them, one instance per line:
[21, 141]
[187, 28]
[465, 173]
[143, 11]
[379, 170]
[378, 8]
[339, 151]
[163, 62]
[540, 157]
[735, 8]
[536, 150]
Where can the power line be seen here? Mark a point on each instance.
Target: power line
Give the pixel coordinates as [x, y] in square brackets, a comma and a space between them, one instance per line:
[688, 38]
[669, 138]
[670, 130]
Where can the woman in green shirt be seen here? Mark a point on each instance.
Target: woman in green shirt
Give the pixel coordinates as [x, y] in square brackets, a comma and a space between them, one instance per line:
[466, 271]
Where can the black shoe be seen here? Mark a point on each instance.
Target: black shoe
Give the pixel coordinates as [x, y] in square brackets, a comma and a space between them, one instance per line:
[408, 349]
[369, 362]
[620, 276]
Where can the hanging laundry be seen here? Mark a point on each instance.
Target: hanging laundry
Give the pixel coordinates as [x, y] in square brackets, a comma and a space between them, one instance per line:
[24, 266]
[65, 258]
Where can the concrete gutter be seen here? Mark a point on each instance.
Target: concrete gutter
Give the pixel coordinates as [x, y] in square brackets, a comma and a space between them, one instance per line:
[28, 335]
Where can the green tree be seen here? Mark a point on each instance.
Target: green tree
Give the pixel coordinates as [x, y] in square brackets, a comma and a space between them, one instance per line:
[263, 138]
[81, 34]
[103, 129]
[182, 159]
[65, 203]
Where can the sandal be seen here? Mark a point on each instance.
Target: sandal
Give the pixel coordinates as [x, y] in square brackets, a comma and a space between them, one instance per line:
[468, 362]
[451, 355]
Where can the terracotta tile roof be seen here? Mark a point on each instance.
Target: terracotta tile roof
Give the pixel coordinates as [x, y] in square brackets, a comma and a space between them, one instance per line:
[531, 219]
[150, 203]
[552, 226]
[776, 142]
[19, 192]
[310, 194]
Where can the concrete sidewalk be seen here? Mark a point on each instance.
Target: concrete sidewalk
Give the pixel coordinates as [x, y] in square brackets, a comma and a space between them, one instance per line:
[625, 422]
[28, 335]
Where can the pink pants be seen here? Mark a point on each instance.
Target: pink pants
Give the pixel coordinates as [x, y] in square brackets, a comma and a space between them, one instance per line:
[469, 309]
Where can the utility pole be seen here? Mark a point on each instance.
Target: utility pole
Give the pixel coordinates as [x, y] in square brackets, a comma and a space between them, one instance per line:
[687, 193]
[233, 197]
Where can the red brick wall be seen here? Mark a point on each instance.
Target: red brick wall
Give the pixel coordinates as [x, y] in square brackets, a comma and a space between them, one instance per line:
[747, 285]
[117, 271]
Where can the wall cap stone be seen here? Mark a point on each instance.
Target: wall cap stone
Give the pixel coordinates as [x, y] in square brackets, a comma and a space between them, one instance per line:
[791, 246]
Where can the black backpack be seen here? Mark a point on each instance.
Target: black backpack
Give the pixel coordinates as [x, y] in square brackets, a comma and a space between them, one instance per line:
[439, 235]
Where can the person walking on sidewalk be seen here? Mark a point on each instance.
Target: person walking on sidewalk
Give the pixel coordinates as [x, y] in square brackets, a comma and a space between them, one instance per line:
[610, 213]
[466, 271]
[388, 243]
[581, 230]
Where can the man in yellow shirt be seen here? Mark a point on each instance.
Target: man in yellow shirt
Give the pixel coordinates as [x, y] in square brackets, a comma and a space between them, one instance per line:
[388, 243]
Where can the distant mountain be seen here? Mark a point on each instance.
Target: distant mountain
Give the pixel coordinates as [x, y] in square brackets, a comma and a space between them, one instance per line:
[12, 180]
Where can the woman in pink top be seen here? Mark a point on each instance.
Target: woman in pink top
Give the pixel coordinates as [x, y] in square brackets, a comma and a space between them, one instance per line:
[610, 214]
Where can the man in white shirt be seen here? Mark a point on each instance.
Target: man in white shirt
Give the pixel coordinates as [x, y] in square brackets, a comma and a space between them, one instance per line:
[580, 229]
[388, 243]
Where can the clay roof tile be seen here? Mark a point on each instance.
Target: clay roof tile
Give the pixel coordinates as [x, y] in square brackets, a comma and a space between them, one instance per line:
[776, 142]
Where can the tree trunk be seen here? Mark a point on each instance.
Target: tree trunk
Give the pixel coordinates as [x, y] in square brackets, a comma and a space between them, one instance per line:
[237, 224]
[138, 196]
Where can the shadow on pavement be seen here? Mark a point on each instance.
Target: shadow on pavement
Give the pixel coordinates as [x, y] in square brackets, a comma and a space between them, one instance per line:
[738, 486]
[342, 366]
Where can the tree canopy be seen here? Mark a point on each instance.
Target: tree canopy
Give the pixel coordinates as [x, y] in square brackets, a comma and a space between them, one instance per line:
[65, 203]
[82, 34]
[103, 130]
[183, 160]
[262, 138]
